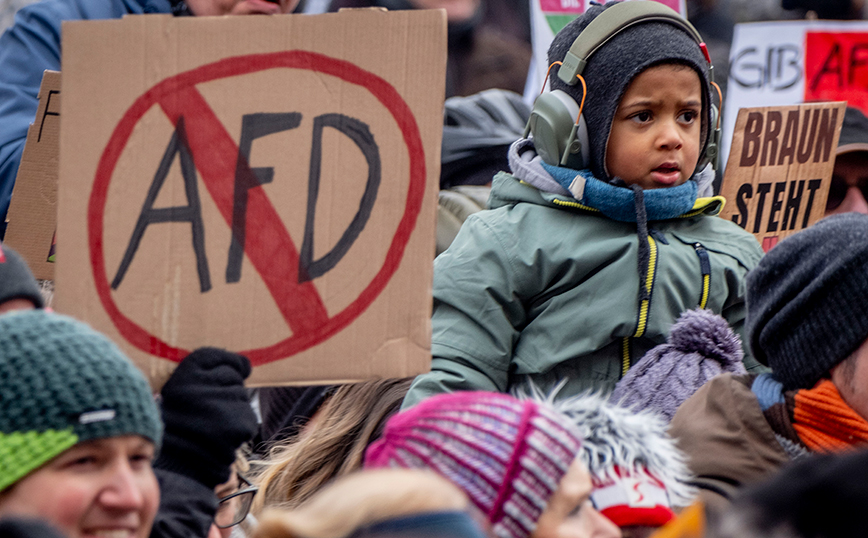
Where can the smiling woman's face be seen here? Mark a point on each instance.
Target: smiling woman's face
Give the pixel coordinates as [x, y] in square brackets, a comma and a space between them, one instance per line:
[569, 512]
[103, 488]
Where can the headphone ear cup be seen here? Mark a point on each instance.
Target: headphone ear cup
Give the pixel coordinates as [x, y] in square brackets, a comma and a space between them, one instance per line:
[712, 143]
[551, 123]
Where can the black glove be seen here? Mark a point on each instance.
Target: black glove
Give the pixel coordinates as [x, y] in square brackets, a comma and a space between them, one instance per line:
[207, 415]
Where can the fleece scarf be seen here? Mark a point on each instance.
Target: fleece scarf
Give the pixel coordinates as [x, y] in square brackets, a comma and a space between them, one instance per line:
[618, 203]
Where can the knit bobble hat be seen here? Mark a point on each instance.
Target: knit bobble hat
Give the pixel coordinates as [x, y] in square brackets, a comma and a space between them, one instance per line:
[507, 455]
[16, 280]
[62, 383]
[700, 346]
[612, 68]
[807, 300]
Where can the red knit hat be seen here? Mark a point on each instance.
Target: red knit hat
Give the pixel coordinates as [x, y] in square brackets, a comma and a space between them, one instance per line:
[507, 455]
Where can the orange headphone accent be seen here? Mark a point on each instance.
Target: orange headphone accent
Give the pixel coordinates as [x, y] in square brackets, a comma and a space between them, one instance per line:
[584, 89]
[720, 100]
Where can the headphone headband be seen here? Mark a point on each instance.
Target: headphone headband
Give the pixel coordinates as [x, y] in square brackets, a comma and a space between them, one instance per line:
[610, 23]
[559, 137]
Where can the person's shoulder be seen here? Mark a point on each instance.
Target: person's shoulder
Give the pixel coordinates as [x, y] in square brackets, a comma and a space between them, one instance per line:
[725, 434]
[716, 402]
[71, 10]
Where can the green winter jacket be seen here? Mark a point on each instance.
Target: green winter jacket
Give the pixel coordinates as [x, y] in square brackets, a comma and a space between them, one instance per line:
[541, 286]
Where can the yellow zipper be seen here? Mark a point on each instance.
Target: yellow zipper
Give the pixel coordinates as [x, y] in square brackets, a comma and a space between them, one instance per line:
[705, 271]
[574, 204]
[643, 307]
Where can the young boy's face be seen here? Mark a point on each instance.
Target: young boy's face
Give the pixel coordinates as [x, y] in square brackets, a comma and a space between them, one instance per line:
[654, 141]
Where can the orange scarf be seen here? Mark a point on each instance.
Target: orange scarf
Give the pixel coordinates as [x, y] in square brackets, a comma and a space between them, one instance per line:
[824, 422]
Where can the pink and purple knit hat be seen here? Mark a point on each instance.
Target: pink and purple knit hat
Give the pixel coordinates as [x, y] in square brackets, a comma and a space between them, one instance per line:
[507, 455]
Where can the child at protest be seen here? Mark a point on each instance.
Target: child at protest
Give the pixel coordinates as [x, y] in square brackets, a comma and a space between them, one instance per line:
[579, 268]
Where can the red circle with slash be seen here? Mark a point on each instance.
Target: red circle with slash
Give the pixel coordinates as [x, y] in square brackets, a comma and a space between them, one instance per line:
[299, 303]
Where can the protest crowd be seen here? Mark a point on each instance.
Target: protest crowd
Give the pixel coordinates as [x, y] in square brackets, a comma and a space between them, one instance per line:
[610, 357]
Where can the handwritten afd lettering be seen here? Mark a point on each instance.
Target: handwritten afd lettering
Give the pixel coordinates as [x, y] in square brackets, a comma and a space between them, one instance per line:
[777, 141]
[255, 126]
[779, 68]
[791, 204]
[49, 111]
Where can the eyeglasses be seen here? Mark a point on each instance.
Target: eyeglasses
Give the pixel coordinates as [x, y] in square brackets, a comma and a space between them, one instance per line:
[234, 508]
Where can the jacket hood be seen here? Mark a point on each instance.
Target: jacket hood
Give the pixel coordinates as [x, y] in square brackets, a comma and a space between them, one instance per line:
[618, 437]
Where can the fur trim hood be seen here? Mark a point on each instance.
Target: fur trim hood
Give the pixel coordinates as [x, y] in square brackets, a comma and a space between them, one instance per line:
[634, 441]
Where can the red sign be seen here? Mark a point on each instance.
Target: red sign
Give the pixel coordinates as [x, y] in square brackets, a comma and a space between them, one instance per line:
[836, 67]
[267, 237]
[562, 6]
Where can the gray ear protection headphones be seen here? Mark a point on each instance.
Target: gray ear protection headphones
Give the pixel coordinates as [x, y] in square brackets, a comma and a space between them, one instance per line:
[559, 131]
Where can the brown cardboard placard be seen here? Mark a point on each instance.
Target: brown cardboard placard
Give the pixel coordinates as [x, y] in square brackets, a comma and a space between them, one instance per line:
[780, 168]
[32, 216]
[263, 184]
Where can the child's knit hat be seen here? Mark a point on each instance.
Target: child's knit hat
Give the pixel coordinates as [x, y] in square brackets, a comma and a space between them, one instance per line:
[507, 455]
[700, 346]
[615, 64]
[16, 280]
[62, 383]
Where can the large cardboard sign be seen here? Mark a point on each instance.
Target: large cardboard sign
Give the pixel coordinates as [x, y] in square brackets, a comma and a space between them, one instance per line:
[32, 215]
[791, 62]
[780, 168]
[548, 17]
[262, 184]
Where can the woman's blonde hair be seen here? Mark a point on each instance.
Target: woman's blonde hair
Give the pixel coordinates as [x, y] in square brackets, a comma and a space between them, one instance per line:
[360, 499]
[332, 444]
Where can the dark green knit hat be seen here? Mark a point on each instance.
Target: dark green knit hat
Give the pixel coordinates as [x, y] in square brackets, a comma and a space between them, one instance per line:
[62, 383]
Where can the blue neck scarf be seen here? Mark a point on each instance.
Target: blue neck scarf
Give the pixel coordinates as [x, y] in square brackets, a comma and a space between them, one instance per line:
[618, 203]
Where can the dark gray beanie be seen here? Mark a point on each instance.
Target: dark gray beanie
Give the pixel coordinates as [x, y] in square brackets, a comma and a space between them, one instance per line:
[16, 280]
[611, 69]
[807, 300]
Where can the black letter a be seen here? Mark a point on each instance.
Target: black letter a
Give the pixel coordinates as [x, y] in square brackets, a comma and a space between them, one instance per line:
[191, 213]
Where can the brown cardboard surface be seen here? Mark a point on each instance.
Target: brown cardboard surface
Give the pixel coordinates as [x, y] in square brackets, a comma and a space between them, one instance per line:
[780, 168]
[333, 282]
[32, 215]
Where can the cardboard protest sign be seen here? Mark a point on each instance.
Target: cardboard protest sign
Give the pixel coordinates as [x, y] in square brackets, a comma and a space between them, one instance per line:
[262, 184]
[791, 62]
[32, 215]
[780, 168]
[548, 17]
